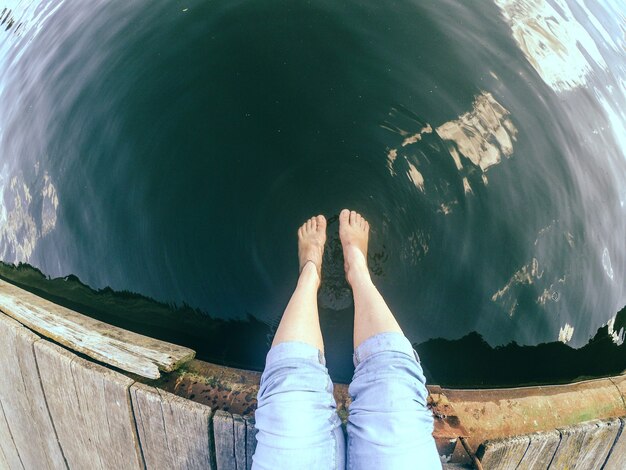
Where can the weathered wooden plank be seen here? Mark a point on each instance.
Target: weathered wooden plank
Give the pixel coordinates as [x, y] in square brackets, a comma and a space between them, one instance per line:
[173, 431]
[91, 409]
[586, 445]
[567, 453]
[617, 456]
[120, 348]
[4, 465]
[24, 402]
[189, 423]
[503, 454]
[224, 437]
[539, 454]
[58, 385]
[250, 440]
[150, 427]
[597, 444]
[239, 429]
[9, 451]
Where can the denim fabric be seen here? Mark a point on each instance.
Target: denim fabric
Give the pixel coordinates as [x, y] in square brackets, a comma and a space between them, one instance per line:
[298, 426]
[389, 425]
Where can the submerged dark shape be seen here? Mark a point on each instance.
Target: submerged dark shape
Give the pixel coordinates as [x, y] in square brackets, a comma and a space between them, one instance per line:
[466, 362]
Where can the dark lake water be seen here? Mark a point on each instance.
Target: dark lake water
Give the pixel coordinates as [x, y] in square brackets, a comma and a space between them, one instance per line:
[171, 149]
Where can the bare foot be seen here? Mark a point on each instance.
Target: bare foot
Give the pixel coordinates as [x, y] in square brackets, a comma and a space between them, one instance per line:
[354, 234]
[311, 240]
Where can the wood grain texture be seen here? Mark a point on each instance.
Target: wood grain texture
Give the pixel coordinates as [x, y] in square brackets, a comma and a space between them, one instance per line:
[539, 454]
[173, 431]
[4, 465]
[9, 451]
[598, 443]
[239, 429]
[106, 343]
[91, 409]
[224, 436]
[586, 445]
[617, 456]
[250, 440]
[503, 454]
[25, 407]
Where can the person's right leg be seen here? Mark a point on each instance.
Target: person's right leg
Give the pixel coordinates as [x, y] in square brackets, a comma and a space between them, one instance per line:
[296, 417]
[389, 424]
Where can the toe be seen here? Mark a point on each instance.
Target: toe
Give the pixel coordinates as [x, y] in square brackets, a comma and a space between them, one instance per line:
[308, 225]
[313, 221]
[321, 222]
[367, 226]
[352, 217]
[344, 216]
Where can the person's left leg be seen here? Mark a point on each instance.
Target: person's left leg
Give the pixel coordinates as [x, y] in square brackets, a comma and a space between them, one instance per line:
[296, 418]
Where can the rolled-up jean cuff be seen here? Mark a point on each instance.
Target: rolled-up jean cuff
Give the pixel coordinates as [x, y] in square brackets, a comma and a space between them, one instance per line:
[294, 350]
[390, 341]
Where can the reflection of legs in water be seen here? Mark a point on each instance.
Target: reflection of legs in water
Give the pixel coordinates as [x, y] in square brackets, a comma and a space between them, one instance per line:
[296, 417]
[389, 425]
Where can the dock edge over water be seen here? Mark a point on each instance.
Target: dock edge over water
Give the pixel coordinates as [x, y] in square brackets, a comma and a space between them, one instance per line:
[61, 409]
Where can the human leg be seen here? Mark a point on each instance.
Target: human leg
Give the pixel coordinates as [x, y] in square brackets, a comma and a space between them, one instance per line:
[389, 424]
[300, 322]
[296, 417]
[371, 313]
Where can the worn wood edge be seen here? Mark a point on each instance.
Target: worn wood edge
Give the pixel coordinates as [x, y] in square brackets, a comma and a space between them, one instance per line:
[115, 384]
[171, 397]
[110, 378]
[10, 322]
[78, 371]
[570, 446]
[36, 400]
[608, 433]
[224, 440]
[55, 317]
[512, 448]
[120, 358]
[239, 433]
[57, 329]
[250, 440]
[123, 349]
[164, 402]
[581, 440]
[162, 352]
[140, 415]
[570, 441]
[616, 459]
[514, 392]
[541, 448]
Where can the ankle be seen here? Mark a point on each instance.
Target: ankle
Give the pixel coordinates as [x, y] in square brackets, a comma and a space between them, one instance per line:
[309, 274]
[357, 273]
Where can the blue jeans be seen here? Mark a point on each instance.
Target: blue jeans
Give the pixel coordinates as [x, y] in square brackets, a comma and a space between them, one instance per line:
[389, 425]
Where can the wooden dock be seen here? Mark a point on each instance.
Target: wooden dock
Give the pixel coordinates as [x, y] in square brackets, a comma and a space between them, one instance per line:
[61, 409]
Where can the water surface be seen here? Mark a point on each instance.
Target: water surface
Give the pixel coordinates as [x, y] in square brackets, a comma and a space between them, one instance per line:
[171, 149]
